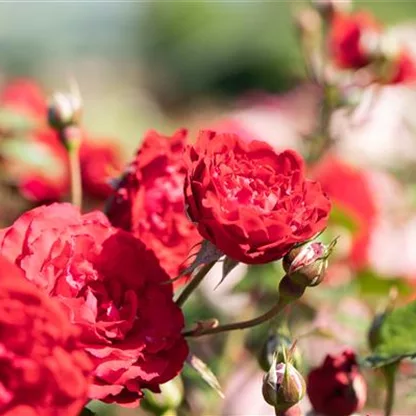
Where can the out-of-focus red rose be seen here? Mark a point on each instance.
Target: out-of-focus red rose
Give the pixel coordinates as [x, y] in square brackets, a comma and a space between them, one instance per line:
[35, 160]
[43, 371]
[112, 288]
[252, 203]
[24, 96]
[100, 160]
[44, 174]
[349, 188]
[403, 69]
[150, 201]
[346, 38]
[337, 388]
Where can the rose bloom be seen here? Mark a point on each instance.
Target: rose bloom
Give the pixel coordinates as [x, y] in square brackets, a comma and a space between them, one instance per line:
[337, 388]
[42, 167]
[43, 371]
[253, 203]
[111, 287]
[346, 38]
[403, 69]
[24, 96]
[99, 160]
[149, 201]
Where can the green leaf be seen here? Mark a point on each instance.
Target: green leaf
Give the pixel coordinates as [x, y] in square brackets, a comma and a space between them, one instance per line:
[396, 337]
[369, 282]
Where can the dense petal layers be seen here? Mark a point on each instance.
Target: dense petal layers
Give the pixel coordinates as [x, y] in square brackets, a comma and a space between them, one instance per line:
[149, 201]
[44, 372]
[111, 287]
[250, 201]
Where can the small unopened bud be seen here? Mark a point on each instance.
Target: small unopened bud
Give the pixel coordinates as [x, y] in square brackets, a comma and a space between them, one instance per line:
[64, 110]
[283, 386]
[306, 264]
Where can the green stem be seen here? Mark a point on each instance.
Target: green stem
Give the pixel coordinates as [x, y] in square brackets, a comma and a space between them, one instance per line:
[194, 283]
[276, 309]
[289, 291]
[75, 171]
[390, 377]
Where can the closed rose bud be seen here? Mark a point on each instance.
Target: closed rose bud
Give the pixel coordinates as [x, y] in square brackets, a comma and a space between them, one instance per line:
[283, 386]
[64, 110]
[306, 264]
[337, 388]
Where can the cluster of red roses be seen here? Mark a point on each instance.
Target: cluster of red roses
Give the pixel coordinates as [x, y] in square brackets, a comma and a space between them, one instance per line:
[357, 41]
[107, 275]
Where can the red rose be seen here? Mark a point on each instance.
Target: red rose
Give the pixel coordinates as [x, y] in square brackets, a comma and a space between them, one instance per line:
[24, 96]
[99, 160]
[337, 388]
[43, 372]
[252, 203]
[349, 188]
[404, 69]
[40, 166]
[111, 287]
[150, 202]
[346, 38]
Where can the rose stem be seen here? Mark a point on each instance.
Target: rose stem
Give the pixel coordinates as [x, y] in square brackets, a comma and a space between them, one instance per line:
[294, 291]
[75, 169]
[276, 309]
[390, 376]
[194, 283]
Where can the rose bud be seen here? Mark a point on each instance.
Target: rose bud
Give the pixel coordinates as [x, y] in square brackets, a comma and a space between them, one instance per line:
[337, 388]
[306, 264]
[277, 342]
[283, 386]
[64, 110]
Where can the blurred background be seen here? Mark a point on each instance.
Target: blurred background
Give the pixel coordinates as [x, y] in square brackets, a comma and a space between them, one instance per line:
[168, 64]
[159, 64]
